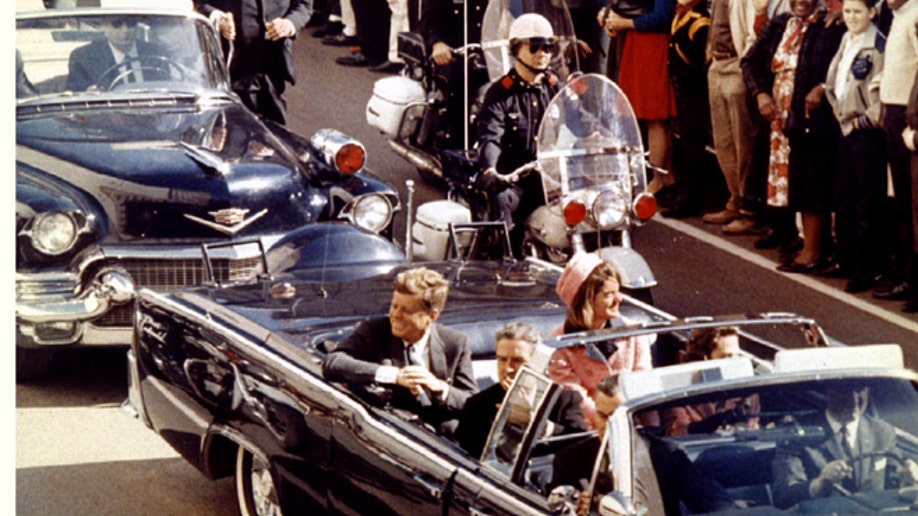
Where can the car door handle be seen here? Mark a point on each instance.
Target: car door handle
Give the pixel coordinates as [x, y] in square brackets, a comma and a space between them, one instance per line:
[434, 489]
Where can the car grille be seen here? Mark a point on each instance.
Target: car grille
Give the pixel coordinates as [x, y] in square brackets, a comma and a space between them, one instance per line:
[169, 275]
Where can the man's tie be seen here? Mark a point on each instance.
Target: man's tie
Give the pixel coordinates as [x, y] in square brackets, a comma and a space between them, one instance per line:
[414, 358]
[845, 443]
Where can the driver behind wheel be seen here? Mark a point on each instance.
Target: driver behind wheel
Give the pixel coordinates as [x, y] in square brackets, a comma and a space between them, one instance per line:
[118, 58]
[851, 458]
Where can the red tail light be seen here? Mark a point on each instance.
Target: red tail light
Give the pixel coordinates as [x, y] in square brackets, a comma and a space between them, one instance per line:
[350, 158]
[645, 206]
[575, 212]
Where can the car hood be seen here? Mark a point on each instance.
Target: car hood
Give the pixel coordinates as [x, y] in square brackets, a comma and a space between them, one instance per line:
[171, 172]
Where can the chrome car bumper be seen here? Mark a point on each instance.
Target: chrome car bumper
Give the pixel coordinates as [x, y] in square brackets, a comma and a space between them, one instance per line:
[49, 311]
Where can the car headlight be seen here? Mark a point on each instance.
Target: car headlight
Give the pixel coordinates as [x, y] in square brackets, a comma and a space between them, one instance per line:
[372, 212]
[610, 207]
[54, 232]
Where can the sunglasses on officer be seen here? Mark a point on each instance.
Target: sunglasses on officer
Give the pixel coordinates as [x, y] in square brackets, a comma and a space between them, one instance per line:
[549, 45]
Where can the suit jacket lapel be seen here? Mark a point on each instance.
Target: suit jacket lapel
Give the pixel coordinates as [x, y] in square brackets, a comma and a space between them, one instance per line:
[396, 350]
[436, 355]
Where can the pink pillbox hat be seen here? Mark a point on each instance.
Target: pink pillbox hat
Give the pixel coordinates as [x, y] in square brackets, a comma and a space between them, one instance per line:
[578, 269]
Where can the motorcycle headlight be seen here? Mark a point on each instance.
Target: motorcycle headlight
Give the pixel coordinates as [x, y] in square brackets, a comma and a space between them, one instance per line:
[610, 208]
[372, 212]
[54, 232]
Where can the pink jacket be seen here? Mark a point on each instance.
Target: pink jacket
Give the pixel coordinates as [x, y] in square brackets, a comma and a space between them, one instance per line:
[571, 368]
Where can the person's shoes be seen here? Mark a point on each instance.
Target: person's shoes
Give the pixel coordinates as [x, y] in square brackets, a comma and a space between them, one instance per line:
[800, 268]
[681, 211]
[667, 196]
[833, 270]
[339, 40]
[355, 59]
[387, 67]
[773, 239]
[328, 29]
[897, 292]
[791, 248]
[720, 217]
[742, 226]
[859, 284]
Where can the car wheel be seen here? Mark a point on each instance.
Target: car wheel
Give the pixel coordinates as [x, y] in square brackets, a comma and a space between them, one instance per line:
[31, 362]
[255, 488]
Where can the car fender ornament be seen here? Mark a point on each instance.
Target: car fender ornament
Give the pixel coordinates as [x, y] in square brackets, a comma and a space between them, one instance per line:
[228, 221]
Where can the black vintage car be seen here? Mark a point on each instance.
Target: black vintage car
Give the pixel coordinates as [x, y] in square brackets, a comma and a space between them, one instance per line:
[232, 379]
[124, 171]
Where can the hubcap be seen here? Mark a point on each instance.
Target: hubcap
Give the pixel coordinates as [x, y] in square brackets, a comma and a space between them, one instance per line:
[264, 495]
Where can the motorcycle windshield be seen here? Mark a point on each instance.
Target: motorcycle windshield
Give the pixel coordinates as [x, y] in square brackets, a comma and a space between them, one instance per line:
[589, 140]
[495, 34]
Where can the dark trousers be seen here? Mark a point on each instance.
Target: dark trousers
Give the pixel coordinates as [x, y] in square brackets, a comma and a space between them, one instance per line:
[372, 17]
[263, 96]
[694, 120]
[900, 168]
[860, 189]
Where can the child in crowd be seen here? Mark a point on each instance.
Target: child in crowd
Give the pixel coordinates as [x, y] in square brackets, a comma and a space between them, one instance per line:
[860, 182]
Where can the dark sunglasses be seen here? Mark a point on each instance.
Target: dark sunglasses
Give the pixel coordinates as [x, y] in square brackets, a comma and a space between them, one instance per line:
[124, 22]
[549, 48]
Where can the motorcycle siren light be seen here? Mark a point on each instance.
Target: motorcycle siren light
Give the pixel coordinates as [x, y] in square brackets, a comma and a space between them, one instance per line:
[337, 150]
[575, 212]
[645, 206]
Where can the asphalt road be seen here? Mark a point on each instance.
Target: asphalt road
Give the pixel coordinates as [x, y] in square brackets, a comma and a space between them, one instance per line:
[78, 452]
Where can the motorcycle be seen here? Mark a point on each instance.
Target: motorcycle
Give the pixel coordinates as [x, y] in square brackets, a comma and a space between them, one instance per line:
[590, 157]
[593, 168]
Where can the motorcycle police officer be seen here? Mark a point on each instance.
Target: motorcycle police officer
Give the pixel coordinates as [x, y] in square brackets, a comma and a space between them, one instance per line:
[509, 122]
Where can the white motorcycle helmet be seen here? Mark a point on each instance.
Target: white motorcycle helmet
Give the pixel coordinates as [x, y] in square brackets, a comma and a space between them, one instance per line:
[531, 28]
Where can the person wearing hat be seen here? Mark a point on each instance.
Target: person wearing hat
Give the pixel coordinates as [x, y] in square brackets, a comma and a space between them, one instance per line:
[590, 288]
[509, 121]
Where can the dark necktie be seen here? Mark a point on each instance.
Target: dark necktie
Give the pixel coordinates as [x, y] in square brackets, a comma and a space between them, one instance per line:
[845, 443]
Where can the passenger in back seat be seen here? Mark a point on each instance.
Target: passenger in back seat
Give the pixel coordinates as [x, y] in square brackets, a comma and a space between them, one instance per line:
[515, 344]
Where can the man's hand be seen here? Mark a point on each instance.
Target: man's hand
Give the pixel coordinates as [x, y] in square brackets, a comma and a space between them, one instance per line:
[908, 473]
[415, 377]
[520, 410]
[814, 98]
[833, 473]
[767, 106]
[280, 28]
[228, 27]
[908, 138]
[442, 53]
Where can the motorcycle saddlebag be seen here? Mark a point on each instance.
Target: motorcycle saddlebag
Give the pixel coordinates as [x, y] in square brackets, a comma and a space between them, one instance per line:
[391, 97]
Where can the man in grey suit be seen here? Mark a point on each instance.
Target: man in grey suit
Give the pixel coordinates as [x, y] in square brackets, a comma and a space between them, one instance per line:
[429, 365]
[95, 63]
[852, 458]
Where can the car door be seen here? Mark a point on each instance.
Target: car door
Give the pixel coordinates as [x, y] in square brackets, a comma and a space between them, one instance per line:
[383, 462]
[511, 480]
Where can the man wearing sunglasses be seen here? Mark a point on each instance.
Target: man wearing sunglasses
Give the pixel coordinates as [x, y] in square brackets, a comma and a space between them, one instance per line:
[509, 121]
[97, 64]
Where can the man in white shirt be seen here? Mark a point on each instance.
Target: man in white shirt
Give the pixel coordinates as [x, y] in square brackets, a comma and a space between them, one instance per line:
[428, 365]
[117, 59]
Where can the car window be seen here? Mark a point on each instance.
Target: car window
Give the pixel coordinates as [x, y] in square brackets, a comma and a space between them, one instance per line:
[754, 447]
[78, 53]
[522, 417]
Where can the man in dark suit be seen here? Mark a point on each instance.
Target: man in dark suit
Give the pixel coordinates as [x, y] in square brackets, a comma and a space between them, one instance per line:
[95, 63]
[260, 37]
[430, 365]
[852, 457]
[515, 344]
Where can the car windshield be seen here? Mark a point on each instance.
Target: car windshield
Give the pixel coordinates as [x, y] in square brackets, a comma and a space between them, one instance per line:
[79, 54]
[781, 446]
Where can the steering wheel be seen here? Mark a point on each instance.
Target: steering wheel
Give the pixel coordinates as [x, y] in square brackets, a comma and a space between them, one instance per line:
[159, 64]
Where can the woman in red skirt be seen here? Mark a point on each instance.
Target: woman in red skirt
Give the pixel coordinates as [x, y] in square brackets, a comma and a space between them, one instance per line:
[644, 77]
